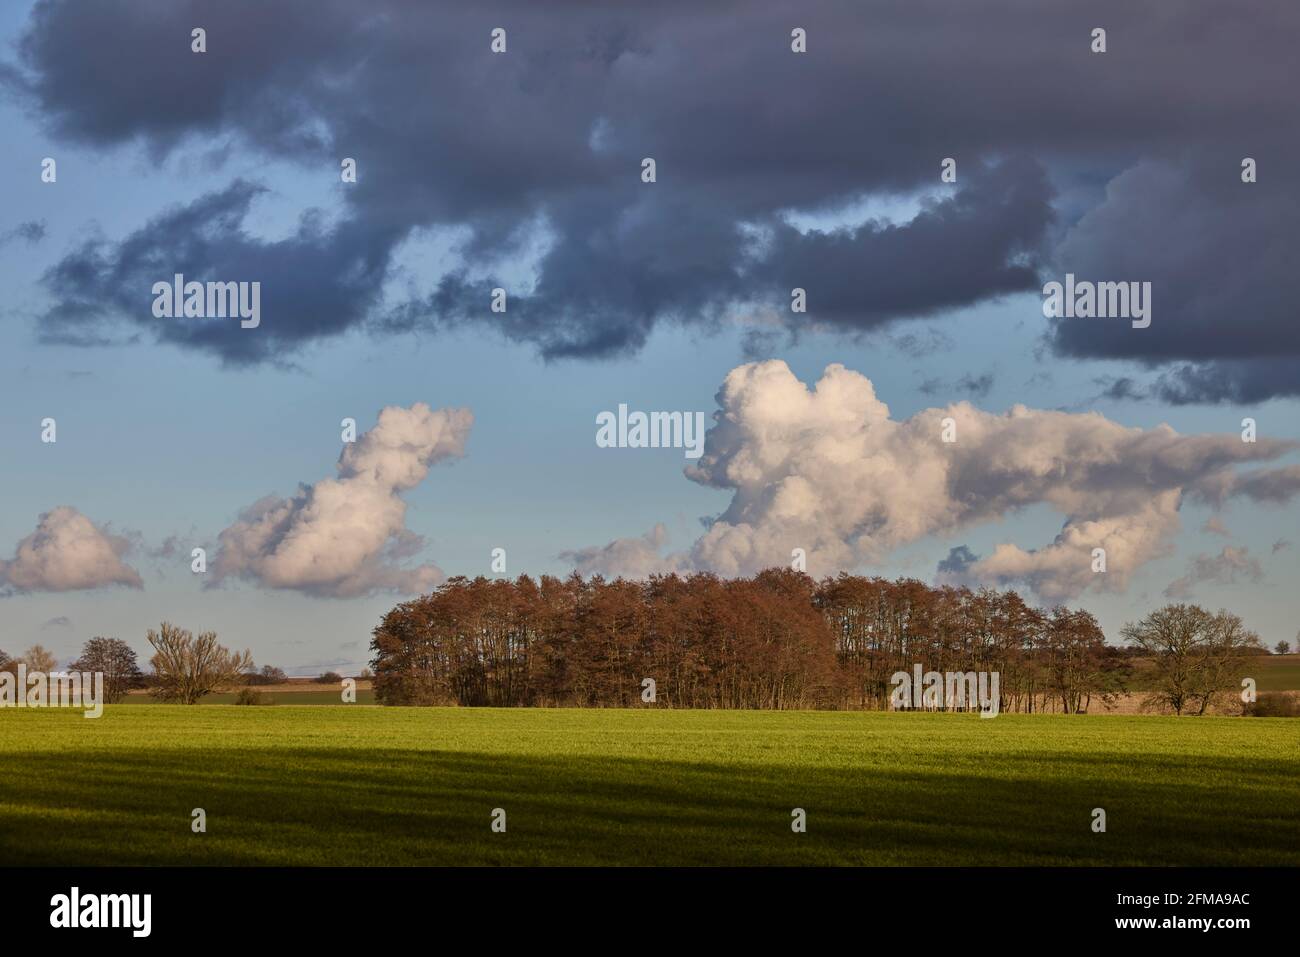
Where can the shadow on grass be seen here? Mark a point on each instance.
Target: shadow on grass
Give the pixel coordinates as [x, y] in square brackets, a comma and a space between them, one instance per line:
[400, 806]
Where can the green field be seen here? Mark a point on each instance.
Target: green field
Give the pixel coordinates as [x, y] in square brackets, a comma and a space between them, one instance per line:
[1271, 673]
[369, 785]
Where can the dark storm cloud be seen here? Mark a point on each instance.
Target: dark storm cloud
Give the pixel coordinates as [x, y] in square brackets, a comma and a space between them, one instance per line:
[314, 284]
[1221, 257]
[1239, 380]
[976, 244]
[743, 131]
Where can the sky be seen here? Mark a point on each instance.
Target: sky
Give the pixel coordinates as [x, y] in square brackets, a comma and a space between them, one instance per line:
[524, 170]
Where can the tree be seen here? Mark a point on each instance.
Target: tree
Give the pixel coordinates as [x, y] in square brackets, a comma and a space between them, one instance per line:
[774, 640]
[1196, 655]
[1281, 648]
[187, 668]
[269, 675]
[1223, 655]
[115, 659]
[329, 678]
[37, 658]
[1077, 664]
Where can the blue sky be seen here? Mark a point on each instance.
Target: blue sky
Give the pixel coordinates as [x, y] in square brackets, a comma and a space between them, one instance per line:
[159, 441]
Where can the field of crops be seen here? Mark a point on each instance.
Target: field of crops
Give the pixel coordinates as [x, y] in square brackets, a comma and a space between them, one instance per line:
[369, 785]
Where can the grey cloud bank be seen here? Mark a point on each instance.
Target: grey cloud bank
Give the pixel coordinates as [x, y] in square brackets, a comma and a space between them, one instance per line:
[551, 134]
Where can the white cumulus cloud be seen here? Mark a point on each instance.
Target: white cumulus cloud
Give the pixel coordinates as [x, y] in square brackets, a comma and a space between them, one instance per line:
[630, 557]
[828, 470]
[347, 536]
[68, 552]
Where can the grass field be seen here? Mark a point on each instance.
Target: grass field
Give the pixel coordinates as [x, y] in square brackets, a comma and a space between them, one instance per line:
[1276, 672]
[1271, 673]
[368, 785]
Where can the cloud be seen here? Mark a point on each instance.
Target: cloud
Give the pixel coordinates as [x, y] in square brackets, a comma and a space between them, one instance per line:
[319, 666]
[976, 386]
[629, 557]
[30, 232]
[920, 345]
[61, 621]
[828, 470]
[68, 552]
[314, 284]
[1225, 568]
[551, 135]
[956, 564]
[1120, 388]
[1219, 256]
[1275, 485]
[1214, 526]
[346, 536]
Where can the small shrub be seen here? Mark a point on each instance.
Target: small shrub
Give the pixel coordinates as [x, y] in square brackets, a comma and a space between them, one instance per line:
[251, 696]
[329, 678]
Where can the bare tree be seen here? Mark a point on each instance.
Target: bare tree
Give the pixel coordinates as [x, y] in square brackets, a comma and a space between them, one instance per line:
[269, 675]
[272, 675]
[187, 668]
[1281, 648]
[1223, 653]
[1196, 655]
[37, 658]
[115, 659]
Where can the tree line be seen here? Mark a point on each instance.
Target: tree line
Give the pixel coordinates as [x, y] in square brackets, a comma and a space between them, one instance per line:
[186, 668]
[776, 640]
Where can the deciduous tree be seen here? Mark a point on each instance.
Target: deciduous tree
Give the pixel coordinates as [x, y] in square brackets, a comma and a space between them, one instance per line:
[115, 659]
[188, 668]
[1195, 655]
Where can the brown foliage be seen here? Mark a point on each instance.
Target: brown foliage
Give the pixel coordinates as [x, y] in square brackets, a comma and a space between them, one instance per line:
[777, 640]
